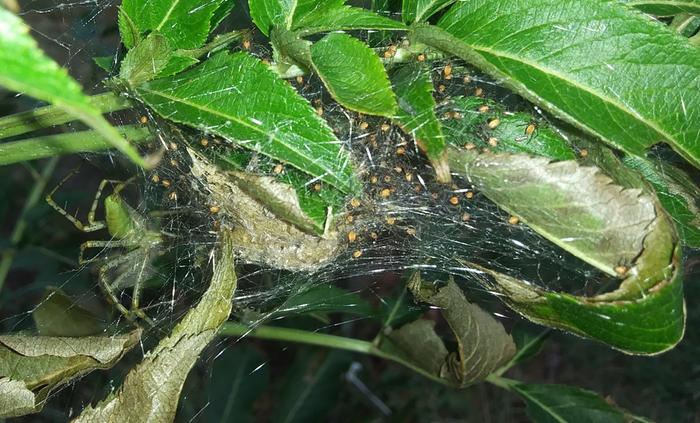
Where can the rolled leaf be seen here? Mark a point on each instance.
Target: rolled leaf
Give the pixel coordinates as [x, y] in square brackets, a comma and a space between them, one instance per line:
[261, 235]
[482, 343]
[677, 193]
[620, 231]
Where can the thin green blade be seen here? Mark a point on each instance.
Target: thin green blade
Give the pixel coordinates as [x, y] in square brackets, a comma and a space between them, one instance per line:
[25, 68]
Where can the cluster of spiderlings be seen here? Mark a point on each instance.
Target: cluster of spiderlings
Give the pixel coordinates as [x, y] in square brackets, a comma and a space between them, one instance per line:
[403, 219]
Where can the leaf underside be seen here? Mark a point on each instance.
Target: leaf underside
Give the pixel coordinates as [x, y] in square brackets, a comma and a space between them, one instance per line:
[607, 226]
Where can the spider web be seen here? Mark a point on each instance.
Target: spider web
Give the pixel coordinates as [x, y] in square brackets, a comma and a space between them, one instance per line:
[419, 226]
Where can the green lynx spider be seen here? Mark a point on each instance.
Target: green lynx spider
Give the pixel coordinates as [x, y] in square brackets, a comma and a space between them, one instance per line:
[130, 231]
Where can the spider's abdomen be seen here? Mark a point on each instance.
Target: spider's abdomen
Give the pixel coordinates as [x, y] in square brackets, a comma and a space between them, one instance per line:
[120, 223]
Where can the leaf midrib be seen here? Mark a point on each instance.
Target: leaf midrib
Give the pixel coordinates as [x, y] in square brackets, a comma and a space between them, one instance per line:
[255, 128]
[544, 407]
[167, 15]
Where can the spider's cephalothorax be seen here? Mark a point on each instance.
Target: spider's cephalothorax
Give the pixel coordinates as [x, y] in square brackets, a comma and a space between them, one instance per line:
[132, 232]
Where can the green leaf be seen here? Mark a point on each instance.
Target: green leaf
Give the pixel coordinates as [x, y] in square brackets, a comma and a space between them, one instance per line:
[58, 315]
[146, 60]
[32, 366]
[363, 87]
[225, 8]
[421, 10]
[25, 68]
[483, 344]
[312, 16]
[304, 8]
[222, 96]
[176, 64]
[607, 226]
[665, 7]
[239, 377]
[345, 18]
[311, 386]
[105, 63]
[463, 123]
[267, 13]
[677, 193]
[416, 114]
[597, 65]
[151, 390]
[561, 403]
[185, 23]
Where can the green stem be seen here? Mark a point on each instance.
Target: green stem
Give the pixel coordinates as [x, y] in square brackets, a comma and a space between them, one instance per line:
[300, 336]
[295, 50]
[501, 382]
[443, 41]
[44, 117]
[322, 340]
[56, 145]
[8, 255]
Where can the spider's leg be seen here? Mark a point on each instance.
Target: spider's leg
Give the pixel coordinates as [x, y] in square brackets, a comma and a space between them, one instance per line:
[91, 225]
[99, 244]
[96, 200]
[107, 288]
[144, 258]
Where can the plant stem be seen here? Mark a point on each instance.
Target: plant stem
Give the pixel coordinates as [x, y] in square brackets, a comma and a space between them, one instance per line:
[322, 340]
[8, 255]
[501, 382]
[44, 117]
[56, 145]
[300, 336]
